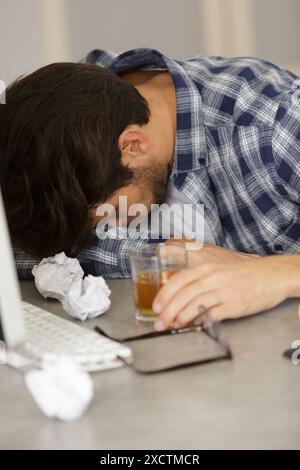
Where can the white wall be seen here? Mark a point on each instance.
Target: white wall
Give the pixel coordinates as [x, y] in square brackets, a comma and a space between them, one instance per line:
[170, 26]
[264, 28]
[36, 32]
[278, 31]
[19, 37]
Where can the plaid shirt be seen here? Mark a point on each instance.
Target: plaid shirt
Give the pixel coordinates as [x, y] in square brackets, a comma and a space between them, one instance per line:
[237, 151]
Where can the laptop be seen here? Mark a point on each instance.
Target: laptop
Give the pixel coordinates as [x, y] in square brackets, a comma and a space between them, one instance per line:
[33, 337]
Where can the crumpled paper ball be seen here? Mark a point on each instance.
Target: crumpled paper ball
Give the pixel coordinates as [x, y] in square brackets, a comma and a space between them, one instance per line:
[87, 298]
[61, 390]
[61, 278]
[53, 276]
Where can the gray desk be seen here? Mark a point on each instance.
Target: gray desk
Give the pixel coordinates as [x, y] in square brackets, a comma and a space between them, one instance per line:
[251, 402]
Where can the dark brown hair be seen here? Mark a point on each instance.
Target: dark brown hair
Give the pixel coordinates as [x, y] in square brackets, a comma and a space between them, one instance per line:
[59, 154]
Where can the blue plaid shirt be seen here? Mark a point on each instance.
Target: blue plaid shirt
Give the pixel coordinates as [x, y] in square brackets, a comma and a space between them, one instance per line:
[237, 151]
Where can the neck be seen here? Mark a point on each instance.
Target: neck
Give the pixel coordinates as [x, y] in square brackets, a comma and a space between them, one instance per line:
[159, 91]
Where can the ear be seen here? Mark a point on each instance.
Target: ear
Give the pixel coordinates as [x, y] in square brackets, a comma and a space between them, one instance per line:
[133, 143]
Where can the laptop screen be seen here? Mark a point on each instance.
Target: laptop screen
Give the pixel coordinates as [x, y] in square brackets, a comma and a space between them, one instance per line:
[11, 315]
[1, 331]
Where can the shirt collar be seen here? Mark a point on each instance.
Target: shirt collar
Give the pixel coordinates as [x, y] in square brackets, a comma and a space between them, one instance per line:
[190, 145]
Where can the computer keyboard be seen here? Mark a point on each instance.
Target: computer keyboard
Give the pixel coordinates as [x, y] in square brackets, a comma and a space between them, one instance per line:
[50, 338]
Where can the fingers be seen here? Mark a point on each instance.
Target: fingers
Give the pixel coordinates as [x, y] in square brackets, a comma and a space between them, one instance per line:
[195, 309]
[187, 298]
[190, 309]
[195, 312]
[177, 282]
[222, 312]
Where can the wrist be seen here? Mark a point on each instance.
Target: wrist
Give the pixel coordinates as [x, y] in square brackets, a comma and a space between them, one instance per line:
[289, 269]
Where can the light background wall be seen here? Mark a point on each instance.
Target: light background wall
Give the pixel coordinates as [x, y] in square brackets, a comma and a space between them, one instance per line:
[264, 28]
[36, 32]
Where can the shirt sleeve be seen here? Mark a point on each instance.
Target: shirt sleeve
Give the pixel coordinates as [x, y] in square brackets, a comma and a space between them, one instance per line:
[286, 143]
[24, 264]
[107, 257]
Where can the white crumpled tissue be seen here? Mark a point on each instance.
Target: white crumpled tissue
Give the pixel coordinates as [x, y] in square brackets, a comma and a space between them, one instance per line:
[61, 390]
[61, 278]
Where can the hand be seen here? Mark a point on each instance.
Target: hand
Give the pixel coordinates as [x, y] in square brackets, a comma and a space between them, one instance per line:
[210, 252]
[231, 287]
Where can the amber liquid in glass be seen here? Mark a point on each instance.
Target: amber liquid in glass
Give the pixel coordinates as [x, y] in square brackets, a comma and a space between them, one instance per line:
[145, 288]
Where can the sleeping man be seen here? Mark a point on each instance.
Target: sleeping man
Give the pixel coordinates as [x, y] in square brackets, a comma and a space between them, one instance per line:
[220, 133]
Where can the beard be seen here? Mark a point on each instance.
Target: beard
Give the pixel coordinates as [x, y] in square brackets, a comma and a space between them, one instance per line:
[152, 180]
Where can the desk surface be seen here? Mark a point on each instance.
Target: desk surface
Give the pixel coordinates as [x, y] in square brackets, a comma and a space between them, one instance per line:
[252, 402]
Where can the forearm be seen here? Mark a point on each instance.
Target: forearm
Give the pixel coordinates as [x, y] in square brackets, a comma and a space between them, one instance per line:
[109, 257]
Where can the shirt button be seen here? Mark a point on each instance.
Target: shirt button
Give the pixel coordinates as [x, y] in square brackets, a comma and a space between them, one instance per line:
[201, 161]
[278, 247]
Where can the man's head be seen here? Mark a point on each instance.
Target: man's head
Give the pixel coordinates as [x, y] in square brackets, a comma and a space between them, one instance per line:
[73, 136]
